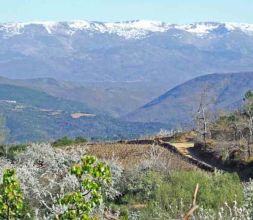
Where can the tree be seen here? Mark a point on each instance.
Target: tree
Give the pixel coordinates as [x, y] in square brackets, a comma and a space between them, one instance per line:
[3, 136]
[248, 112]
[2, 129]
[240, 124]
[203, 114]
[11, 197]
[44, 175]
[91, 175]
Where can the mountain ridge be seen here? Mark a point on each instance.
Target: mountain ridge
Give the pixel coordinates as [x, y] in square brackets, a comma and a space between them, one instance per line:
[115, 99]
[177, 106]
[127, 29]
[86, 53]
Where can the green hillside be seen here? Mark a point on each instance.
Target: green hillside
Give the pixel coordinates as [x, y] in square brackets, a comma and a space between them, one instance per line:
[32, 115]
[34, 98]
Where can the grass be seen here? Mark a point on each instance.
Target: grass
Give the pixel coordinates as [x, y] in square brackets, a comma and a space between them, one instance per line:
[159, 194]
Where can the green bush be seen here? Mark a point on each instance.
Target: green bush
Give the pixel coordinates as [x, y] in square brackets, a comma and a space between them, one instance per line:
[80, 140]
[166, 196]
[124, 213]
[12, 202]
[215, 189]
[65, 141]
[11, 151]
[174, 194]
[138, 187]
[92, 176]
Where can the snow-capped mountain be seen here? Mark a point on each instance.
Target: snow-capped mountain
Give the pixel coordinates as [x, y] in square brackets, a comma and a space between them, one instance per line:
[132, 29]
[143, 51]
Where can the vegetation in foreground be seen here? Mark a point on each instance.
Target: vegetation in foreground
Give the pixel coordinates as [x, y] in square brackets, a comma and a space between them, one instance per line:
[230, 135]
[61, 185]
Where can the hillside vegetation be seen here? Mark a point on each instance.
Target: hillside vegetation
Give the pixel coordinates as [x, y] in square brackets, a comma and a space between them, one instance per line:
[31, 115]
[178, 106]
[219, 140]
[49, 102]
[114, 98]
[145, 182]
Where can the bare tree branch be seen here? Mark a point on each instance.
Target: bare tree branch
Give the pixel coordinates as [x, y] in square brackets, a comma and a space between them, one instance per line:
[193, 206]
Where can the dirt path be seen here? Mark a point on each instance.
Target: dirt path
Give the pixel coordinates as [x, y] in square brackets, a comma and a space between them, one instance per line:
[187, 151]
[207, 161]
[184, 148]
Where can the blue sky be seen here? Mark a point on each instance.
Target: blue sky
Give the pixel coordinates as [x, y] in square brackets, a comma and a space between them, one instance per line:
[172, 11]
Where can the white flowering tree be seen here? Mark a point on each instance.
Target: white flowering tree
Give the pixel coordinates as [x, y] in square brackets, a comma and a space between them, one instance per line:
[44, 175]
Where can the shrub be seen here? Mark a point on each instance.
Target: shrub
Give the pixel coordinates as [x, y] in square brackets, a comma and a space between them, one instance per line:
[138, 187]
[91, 176]
[44, 175]
[248, 197]
[169, 195]
[174, 194]
[65, 141]
[215, 189]
[124, 213]
[11, 151]
[11, 197]
[80, 140]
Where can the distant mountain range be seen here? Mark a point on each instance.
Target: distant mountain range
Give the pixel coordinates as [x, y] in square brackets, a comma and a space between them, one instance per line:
[135, 51]
[114, 71]
[178, 106]
[130, 29]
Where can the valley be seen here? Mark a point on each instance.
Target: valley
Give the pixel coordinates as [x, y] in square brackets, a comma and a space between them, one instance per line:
[126, 110]
[140, 76]
[45, 117]
[63, 104]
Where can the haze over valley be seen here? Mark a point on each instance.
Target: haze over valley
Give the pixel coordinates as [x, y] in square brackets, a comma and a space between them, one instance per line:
[117, 69]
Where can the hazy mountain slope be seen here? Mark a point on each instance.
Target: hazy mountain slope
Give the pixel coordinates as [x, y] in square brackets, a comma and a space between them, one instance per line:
[115, 98]
[29, 97]
[178, 105]
[32, 115]
[143, 51]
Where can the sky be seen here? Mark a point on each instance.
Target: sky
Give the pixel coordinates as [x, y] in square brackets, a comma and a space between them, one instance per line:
[171, 11]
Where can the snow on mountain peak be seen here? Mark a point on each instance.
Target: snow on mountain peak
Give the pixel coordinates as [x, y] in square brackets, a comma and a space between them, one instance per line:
[248, 28]
[131, 29]
[135, 29]
[18, 28]
[198, 28]
[154, 26]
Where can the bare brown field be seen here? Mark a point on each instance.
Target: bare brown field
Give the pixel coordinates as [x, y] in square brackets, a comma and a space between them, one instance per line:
[80, 115]
[131, 155]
